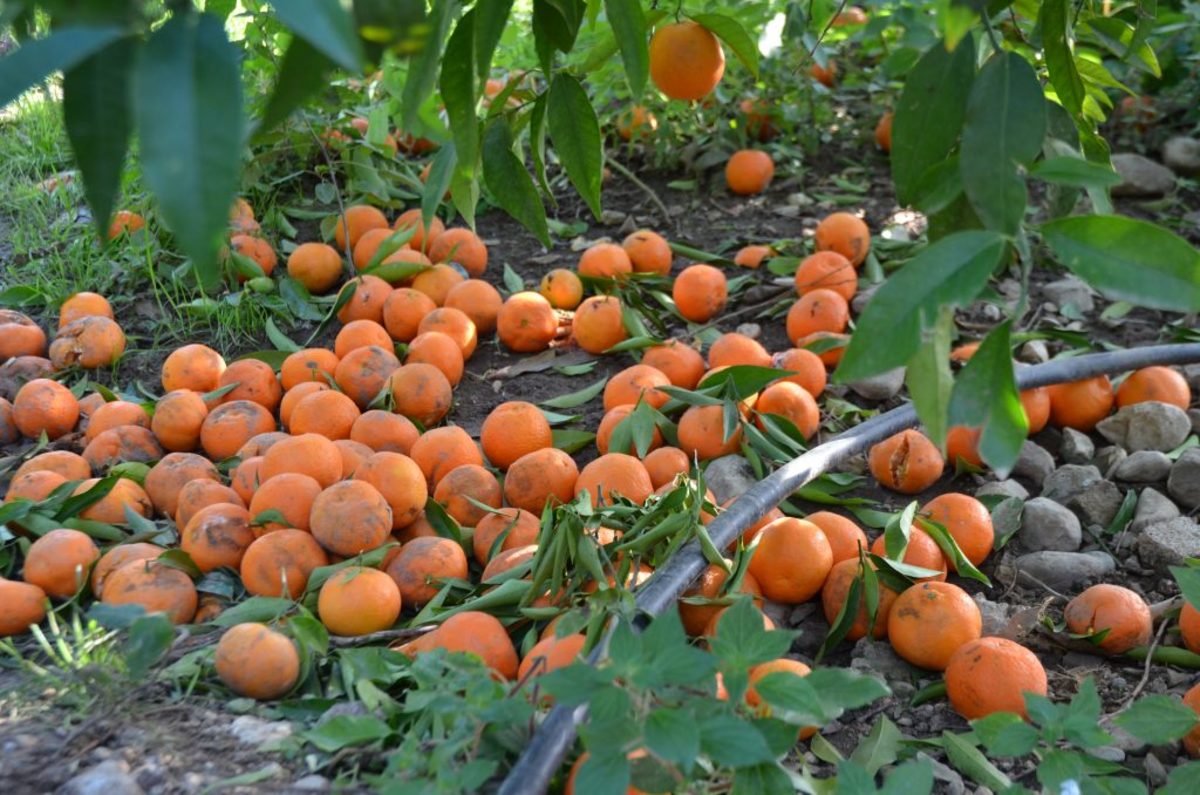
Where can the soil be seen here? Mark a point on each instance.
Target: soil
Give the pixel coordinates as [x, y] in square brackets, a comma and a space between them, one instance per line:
[175, 746]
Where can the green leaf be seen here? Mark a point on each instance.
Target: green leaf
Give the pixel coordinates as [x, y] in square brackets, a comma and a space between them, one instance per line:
[1067, 170]
[629, 30]
[1060, 61]
[509, 181]
[150, 637]
[1188, 578]
[457, 83]
[735, 35]
[62, 49]
[604, 774]
[733, 742]
[763, 779]
[1157, 720]
[98, 118]
[489, 27]
[1058, 767]
[575, 132]
[914, 776]
[951, 272]
[673, 735]
[423, 68]
[985, 395]
[880, 747]
[1117, 36]
[969, 761]
[1005, 126]
[742, 641]
[1130, 260]
[1005, 734]
[326, 25]
[188, 89]
[572, 441]
[343, 731]
[577, 398]
[928, 376]
[930, 114]
[280, 340]
[302, 72]
[1182, 780]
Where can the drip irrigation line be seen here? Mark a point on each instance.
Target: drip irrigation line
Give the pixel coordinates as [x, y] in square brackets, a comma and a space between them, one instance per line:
[554, 737]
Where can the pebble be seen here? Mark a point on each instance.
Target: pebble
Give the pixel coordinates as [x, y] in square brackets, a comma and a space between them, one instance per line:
[860, 300]
[728, 476]
[1002, 488]
[1192, 373]
[1048, 525]
[751, 330]
[1098, 504]
[1144, 466]
[612, 217]
[312, 783]
[1147, 426]
[878, 659]
[1152, 507]
[1034, 464]
[1107, 458]
[1065, 571]
[1155, 770]
[1034, 352]
[1141, 177]
[1194, 416]
[1170, 543]
[1068, 481]
[107, 778]
[1109, 753]
[995, 614]
[1181, 154]
[1183, 484]
[250, 730]
[1071, 291]
[880, 387]
[1076, 447]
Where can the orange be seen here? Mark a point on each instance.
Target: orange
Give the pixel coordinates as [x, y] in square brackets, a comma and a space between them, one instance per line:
[423, 565]
[359, 334]
[513, 429]
[993, 675]
[71, 466]
[115, 414]
[791, 402]
[833, 345]
[844, 536]
[760, 118]
[792, 560]
[318, 266]
[440, 450]
[471, 632]
[700, 292]
[1081, 404]
[359, 219]
[749, 171]
[907, 462]
[294, 396]
[326, 412]
[1160, 384]
[243, 479]
[962, 444]
[648, 252]
[968, 522]
[125, 222]
[291, 495]
[403, 312]
[733, 348]
[686, 60]
[353, 454]
[251, 380]
[836, 591]
[1036, 403]
[423, 235]
[19, 336]
[89, 342]
[479, 301]
[544, 476]
[280, 563]
[358, 601]
[157, 587]
[753, 256]
[550, 654]
[605, 261]
[819, 310]
[438, 281]
[230, 425]
[506, 561]
[21, 606]
[117, 557]
[45, 406]
[310, 364]
[883, 132]
[633, 384]
[711, 585]
[197, 495]
[825, 75]
[1191, 743]
[599, 324]
[614, 474]
[1114, 608]
[368, 245]
[123, 443]
[807, 368]
[1189, 627]
[383, 431]
[846, 234]
[526, 323]
[351, 517]
[370, 294]
[255, 661]
[33, 486]
[60, 562]
[365, 372]
[217, 536]
[930, 621]
[401, 482]
[462, 246]
[256, 249]
[439, 350]
[702, 433]
[921, 551]
[665, 464]
[608, 424]
[421, 393]
[519, 527]
[309, 454]
[562, 288]
[455, 325]
[84, 305]
[680, 363]
[636, 123]
[829, 270]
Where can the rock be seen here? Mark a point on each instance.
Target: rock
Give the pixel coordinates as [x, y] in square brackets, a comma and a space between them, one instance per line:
[1152, 508]
[1068, 481]
[878, 659]
[1048, 525]
[1169, 543]
[1141, 177]
[1121, 738]
[995, 614]
[344, 709]
[1109, 753]
[1034, 352]
[1107, 458]
[1098, 504]
[1034, 464]
[612, 217]
[1183, 484]
[107, 778]
[1002, 488]
[1155, 770]
[1073, 291]
[728, 476]
[1194, 416]
[250, 730]
[751, 330]
[1147, 426]
[312, 783]
[1064, 571]
[1181, 154]
[1144, 466]
[1077, 448]
[880, 387]
[1192, 373]
[863, 297]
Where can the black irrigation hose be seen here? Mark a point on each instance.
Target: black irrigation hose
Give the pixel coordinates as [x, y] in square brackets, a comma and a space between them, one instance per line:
[553, 739]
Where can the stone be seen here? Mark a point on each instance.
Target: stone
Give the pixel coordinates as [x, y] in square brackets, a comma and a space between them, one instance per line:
[1077, 448]
[1170, 543]
[878, 659]
[1107, 458]
[1144, 466]
[1181, 154]
[253, 731]
[1147, 426]
[1192, 373]
[1153, 507]
[863, 297]
[1048, 525]
[1194, 416]
[1141, 177]
[995, 614]
[312, 783]
[880, 387]
[1183, 484]
[1069, 481]
[1002, 488]
[110, 777]
[728, 476]
[1034, 352]
[1064, 571]
[1098, 504]
[1034, 464]
[1071, 291]
[1109, 753]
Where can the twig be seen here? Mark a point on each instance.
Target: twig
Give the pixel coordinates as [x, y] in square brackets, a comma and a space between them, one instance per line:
[771, 299]
[377, 637]
[349, 253]
[649, 191]
[1162, 629]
